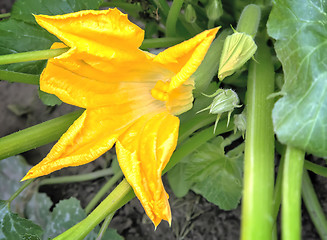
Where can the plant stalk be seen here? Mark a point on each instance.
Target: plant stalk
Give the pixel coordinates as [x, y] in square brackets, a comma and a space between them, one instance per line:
[317, 169]
[313, 206]
[31, 56]
[77, 178]
[36, 136]
[103, 191]
[257, 219]
[105, 225]
[291, 194]
[25, 185]
[173, 17]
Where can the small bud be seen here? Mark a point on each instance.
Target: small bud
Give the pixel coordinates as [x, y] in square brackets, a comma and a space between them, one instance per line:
[238, 49]
[214, 9]
[190, 14]
[240, 123]
[226, 100]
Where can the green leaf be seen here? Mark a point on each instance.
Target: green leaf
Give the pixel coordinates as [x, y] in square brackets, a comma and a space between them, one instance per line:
[12, 170]
[21, 33]
[300, 116]
[14, 227]
[17, 36]
[216, 176]
[65, 215]
[38, 209]
[24, 9]
[49, 99]
[177, 180]
[112, 235]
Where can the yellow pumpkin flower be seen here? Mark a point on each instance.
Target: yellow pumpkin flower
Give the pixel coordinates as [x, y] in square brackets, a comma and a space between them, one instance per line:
[131, 98]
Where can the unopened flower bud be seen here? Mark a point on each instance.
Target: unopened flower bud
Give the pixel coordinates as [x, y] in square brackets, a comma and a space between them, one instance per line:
[214, 9]
[238, 49]
[225, 100]
[240, 123]
[190, 14]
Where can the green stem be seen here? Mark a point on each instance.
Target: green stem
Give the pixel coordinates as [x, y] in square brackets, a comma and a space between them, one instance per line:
[103, 191]
[211, 23]
[322, 171]
[278, 189]
[160, 42]
[36, 136]
[196, 122]
[19, 77]
[122, 194]
[172, 17]
[28, 182]
[291, 194]
[5, 15]
[314, 208]
[31, 56]
[105, 225]
[196, 141]
[277, 195]
[162, 5]
[77, 178]
[257, 221]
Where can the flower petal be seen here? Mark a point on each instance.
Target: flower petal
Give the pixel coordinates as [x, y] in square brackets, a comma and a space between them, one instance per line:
[76, 81]
[184, 58]
[100, 33]
[143, 152]
[91, 135]
[181, 99]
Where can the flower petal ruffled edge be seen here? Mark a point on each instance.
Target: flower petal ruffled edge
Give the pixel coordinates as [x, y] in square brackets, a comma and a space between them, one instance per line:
[143, 152]
[90, 31]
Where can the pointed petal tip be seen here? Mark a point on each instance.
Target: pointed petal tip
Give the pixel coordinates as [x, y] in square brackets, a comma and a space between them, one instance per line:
[28, 175]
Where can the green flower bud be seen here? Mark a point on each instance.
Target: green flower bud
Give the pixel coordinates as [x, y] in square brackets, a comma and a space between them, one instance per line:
[190, 14]
[214, 9]
[240, 123]
[225, 100]
[238, 49]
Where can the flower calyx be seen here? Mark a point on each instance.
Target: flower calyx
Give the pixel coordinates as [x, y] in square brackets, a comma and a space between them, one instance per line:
[225, 100]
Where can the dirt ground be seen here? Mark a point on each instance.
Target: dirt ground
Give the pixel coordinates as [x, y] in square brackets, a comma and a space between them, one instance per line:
[193, 216]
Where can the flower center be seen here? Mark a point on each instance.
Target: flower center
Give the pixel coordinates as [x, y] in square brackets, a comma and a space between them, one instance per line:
[160, 91]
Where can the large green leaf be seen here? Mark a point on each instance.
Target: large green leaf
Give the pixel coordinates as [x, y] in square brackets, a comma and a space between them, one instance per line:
[216, 176]
[21, 33]
[18, 36]
[300, 116]
[38, 209]
[66, 214]
[12, 170]
[177, 180]
[14, 227]
[24, 9]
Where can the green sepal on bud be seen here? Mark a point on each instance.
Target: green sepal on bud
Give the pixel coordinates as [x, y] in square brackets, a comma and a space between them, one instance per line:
[190, 14]
[238, 49]
[225, 100]
[214, 9]
[240, 123]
